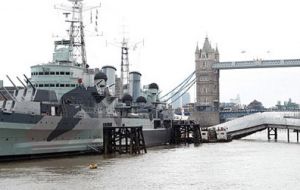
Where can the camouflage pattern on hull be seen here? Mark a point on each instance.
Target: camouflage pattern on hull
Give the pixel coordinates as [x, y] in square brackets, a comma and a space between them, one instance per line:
[55, 134]
[51, 134]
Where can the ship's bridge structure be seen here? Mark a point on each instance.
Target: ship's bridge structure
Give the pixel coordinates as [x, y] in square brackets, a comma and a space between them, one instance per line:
[253, 123]
[207, 71]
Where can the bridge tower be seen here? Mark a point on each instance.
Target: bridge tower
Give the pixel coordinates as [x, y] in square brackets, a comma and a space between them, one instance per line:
[207, 85]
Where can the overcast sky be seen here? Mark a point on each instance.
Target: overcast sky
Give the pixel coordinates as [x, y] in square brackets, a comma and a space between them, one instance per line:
[171, 30]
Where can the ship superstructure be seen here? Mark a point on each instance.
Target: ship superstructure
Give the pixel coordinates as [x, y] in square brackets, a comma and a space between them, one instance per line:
[68, 68]
[65, 105]
[35, 122]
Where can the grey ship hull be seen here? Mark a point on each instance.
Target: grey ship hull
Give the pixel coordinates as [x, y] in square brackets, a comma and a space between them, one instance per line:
[24, 134]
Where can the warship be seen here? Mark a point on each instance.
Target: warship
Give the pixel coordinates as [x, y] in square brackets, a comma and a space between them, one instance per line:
[64, 105]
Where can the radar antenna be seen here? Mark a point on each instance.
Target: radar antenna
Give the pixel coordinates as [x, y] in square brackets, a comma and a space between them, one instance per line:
[125, 47]
[77, 50]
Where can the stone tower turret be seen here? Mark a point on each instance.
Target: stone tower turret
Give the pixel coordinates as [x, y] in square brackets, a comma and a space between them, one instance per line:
[207, 85]
[197, 52]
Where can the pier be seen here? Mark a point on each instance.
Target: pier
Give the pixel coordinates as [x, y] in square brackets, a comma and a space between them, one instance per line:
[186, 132]
[124, 140]
[272, 132]
[272, 121]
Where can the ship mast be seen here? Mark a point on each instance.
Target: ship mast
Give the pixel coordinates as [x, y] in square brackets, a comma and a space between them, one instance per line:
[76, 34]
[124, 66]
[125, 47]
[76, 42]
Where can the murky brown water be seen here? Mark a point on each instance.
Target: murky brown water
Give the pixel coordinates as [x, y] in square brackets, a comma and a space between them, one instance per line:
[251, 163]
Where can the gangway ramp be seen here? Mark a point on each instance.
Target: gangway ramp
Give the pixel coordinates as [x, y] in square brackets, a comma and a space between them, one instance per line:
[253, 123]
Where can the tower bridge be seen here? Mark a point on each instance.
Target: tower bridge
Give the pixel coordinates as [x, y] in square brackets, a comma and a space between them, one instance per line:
[207, 70]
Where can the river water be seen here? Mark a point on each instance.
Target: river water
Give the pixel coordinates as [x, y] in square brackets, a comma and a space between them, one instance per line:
[249, 163]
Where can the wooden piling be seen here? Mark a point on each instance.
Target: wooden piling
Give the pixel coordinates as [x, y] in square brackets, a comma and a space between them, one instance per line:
[124, 140]
[288, 134]
[185, 132]
[272, 132]
[196, 134]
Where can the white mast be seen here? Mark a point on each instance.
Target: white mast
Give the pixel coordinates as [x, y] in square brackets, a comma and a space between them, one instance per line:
[77, 49]
[124, 66]
[76, 34]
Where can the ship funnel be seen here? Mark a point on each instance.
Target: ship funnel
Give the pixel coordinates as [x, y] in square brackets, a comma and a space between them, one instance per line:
[110, 72]
[134, 84]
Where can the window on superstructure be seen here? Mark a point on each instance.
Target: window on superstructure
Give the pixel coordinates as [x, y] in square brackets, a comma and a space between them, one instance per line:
[32, 73]
[62, 85]
[52, 73]
[46, 73]
[62, 73]
[57, 85]
[67, 73]
[46, 85]
[52, 85]
[67, 85]
[41, 73]
[57, 73]
[41, 85]
[73, 85]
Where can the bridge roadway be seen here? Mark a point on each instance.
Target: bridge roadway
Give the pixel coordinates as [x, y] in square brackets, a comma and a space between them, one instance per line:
[257, 64]
[253, 123]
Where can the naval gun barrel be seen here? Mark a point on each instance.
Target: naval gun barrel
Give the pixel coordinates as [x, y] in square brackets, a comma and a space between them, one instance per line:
[12, 82]
[28, 81]
[1, 93]
[8, 93]
[21, 82]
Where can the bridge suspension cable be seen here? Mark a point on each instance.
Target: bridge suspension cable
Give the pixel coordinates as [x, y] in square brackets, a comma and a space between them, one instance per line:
[184, 82]
[181, 89]
[184, 86]
[187, 89]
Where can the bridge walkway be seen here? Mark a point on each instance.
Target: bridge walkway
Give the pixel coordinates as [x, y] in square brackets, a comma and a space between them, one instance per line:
[250, 124]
